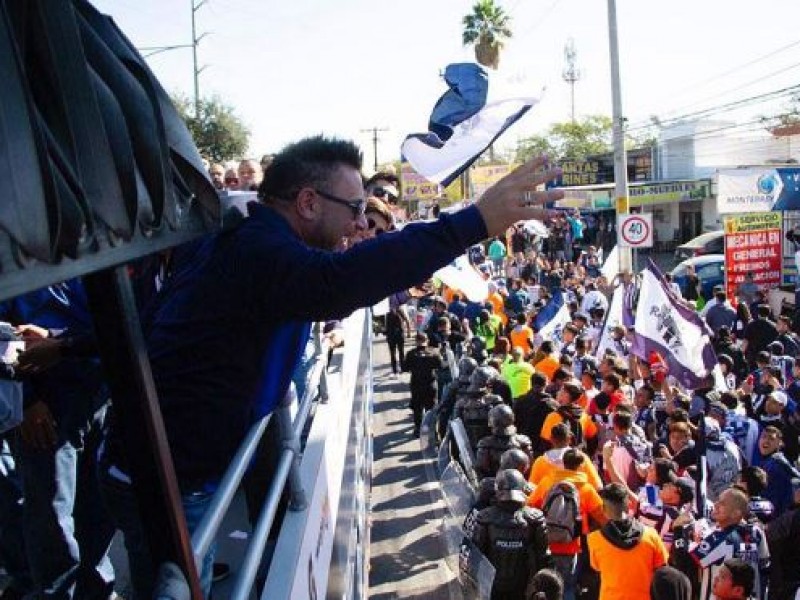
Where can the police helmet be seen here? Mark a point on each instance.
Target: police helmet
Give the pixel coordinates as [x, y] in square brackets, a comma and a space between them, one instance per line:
[481, 378]
[510, 486]
[516, 459]
[466, 366]
[501, 420]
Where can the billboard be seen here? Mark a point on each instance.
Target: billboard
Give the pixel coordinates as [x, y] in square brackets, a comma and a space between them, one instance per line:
[414, 186]
[753, 244]
[485, 176]
[758, 189]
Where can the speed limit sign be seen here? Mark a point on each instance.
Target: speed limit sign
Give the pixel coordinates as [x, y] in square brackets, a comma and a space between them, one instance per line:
[635, 231]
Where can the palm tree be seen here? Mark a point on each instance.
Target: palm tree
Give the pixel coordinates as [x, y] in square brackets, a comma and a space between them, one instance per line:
[487, 28]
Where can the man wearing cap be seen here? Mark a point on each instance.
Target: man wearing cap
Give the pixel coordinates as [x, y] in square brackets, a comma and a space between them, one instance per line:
[383, 185]
[624, 552]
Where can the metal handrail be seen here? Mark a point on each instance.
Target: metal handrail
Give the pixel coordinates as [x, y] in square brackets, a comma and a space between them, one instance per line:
[288, 469]
[206, 530]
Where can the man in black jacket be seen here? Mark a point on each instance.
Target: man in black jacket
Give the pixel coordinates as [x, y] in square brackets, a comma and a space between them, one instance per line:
[423, 363]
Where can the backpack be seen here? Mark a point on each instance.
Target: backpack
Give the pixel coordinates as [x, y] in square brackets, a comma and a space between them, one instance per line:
[562, 512]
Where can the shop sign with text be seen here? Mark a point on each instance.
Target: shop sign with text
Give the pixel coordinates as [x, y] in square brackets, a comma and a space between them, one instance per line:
[753, 244]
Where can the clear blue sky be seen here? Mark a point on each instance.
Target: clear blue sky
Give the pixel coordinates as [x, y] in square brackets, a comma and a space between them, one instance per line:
[296, 68]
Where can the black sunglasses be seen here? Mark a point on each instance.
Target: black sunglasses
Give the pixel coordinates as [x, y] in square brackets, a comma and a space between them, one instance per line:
[357, 206]
[372, 224]
[380, 192]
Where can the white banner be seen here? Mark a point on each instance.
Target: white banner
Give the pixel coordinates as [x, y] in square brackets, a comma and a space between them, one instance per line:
[462, 276]
[747, 190]
[613, 319]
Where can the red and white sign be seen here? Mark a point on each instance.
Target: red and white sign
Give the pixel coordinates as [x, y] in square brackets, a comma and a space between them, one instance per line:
[753, 244]
[635, 231]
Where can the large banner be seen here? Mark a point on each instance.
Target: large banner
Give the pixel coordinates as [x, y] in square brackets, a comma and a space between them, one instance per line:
[485, 176]
[753, 244]
[758, 189]
[415, 186]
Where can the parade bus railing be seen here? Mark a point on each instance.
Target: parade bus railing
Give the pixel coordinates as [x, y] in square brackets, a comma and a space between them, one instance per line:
[323, 540]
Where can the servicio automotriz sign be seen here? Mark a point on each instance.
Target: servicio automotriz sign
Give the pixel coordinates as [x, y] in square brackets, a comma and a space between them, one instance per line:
[758, 189]
[753, 244]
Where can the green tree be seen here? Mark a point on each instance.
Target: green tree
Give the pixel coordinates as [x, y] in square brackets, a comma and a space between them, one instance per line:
[487, 28]
[790, 115]
[570, 140]
[218, 133]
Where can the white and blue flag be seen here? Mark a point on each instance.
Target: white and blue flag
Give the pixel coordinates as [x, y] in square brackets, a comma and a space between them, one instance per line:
[462, 125]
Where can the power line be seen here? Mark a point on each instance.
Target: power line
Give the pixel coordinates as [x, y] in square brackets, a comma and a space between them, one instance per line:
[753, 82]
[705, 82]
[722, 108]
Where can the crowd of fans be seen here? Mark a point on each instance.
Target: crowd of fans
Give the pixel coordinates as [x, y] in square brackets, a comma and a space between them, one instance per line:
[596, 464]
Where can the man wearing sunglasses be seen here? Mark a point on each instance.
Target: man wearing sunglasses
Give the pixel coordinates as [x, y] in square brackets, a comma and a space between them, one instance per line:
[230, 324]
[384, 186]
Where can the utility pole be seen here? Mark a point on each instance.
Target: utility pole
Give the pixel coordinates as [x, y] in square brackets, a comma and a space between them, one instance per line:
[195, 41]
[153, 50]
[620, 156]
[374, 131]
[571, 73]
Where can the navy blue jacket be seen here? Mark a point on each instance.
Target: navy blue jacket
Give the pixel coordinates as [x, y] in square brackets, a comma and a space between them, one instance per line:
[229, 325]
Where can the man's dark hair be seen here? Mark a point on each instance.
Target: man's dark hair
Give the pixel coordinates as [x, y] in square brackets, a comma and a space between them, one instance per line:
[547, 584]
[561, 374]
[623, 420]
[382, 176]
[565, 360]
[307, 163]
[742, 575]
[572, 459]
[755, 478]
[574, 391]
[729, 399]
[720, 295]
[613, 379]
[522, 318]
[581, 343]
[560, 432]
[763, 310]
[649, 390]
[546, 347]
[538, 380]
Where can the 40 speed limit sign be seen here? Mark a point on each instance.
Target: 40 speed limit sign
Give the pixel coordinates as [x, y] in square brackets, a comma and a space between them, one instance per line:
[635, 231]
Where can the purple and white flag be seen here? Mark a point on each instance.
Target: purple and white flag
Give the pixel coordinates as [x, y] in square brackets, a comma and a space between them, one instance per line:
[670, 328]
[614, 317]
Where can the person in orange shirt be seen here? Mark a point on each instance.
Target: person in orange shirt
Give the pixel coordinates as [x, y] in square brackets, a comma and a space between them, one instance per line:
[521, 335]
[624, 552]
[583, 428]
[549, 363]
[553, 459]
[565, 554]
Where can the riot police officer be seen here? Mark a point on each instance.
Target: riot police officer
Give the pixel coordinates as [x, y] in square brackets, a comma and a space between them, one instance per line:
[503, 437]
[513, 537]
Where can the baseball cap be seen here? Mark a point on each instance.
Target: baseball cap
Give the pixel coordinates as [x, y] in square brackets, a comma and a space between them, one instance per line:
[779, 397]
